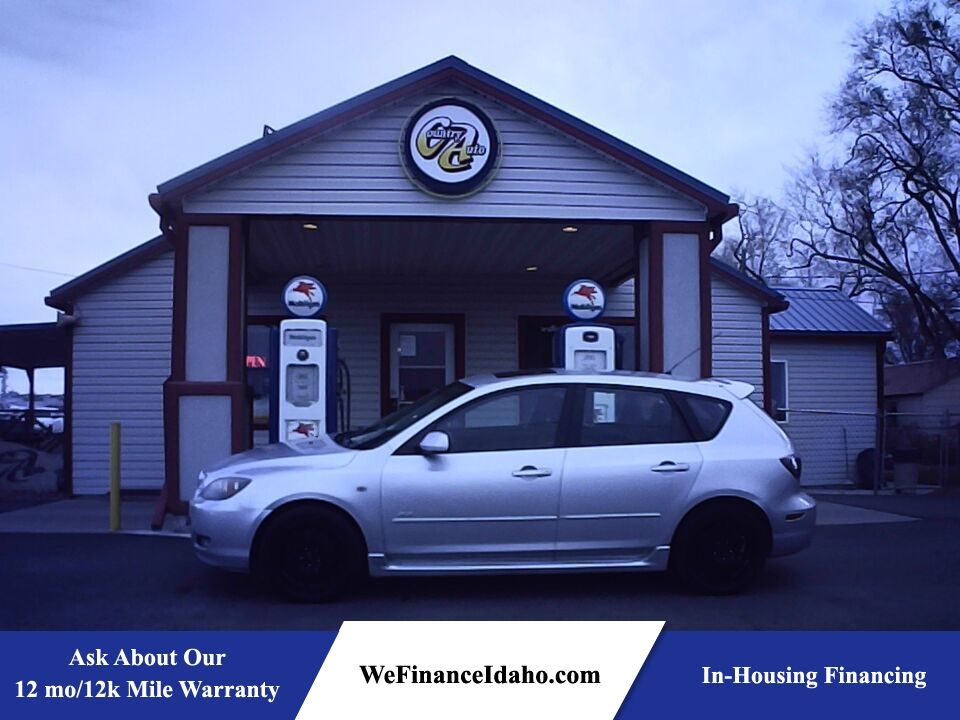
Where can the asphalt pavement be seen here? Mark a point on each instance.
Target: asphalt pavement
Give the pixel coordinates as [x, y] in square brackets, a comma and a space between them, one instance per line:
[881, 573]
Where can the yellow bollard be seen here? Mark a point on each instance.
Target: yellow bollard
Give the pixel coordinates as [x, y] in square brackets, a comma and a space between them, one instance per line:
[114, 477]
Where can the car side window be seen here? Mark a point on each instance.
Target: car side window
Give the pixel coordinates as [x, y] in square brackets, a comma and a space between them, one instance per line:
[630, 416]
[522, 419]
[709, 413]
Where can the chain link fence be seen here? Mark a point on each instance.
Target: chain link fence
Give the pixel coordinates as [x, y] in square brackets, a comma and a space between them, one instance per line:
[879, 451]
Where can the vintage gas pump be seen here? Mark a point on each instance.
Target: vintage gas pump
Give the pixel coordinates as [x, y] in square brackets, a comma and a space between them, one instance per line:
[306, 405]
[585, 345]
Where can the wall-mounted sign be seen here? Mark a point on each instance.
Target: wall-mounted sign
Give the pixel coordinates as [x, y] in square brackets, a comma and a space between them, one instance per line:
[450, 148]
[584, 299]
[304, 296]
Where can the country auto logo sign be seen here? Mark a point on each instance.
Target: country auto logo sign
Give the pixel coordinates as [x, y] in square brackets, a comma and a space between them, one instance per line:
[584, 299]
[450, 148]
[304, 296]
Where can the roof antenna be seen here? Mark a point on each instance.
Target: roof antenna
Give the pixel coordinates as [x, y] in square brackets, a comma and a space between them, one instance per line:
[680, 361]
[267, 130]
[685, 357]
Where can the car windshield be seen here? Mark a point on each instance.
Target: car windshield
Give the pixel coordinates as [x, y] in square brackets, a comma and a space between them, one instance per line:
[400, 419]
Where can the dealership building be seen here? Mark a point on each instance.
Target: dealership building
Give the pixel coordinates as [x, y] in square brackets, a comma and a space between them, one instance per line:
[444, 213]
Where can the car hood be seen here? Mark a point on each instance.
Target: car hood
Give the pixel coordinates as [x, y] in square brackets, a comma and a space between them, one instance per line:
[327, 452]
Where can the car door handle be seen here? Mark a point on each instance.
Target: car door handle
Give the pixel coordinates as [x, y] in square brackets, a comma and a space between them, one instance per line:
[670, 466]
[529, 471]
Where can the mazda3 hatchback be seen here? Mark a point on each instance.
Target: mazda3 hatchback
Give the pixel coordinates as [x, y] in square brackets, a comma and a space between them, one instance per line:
[518, 472]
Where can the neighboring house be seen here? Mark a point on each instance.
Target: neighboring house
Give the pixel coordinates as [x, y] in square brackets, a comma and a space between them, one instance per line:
[930, 388]
[826, 378]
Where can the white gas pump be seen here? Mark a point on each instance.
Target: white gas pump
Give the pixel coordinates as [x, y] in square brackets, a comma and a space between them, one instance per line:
[592, 348]
[303, 379]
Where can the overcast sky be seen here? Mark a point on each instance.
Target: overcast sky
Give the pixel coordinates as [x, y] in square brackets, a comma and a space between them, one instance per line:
[102, 100]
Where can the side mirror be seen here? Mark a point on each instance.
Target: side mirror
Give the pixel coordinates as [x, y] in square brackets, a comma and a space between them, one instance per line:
[435, 442]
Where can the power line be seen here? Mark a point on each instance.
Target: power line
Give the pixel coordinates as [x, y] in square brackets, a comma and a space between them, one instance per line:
[803, 276]
[34, 269]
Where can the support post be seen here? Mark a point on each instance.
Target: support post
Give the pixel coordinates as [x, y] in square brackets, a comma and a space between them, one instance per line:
[879, 455]
[31, 402]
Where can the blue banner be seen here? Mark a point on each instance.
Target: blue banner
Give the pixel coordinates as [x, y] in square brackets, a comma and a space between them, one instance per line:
[269, 674]
[797, 675]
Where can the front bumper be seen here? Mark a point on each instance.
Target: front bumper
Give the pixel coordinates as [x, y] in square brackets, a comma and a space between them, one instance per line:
[793, 524]
[222, 532]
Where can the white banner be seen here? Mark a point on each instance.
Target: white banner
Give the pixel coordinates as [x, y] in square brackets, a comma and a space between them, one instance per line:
[498, 670]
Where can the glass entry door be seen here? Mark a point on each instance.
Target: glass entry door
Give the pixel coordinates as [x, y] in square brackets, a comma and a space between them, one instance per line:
[421, 360]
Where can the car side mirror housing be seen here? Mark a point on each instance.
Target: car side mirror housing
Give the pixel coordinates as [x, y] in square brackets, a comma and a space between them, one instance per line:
[435, 442]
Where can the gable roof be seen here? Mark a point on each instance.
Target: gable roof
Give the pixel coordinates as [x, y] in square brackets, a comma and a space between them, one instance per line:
[719, 207]
[917, 378]
[819, 311]
[61, 297]
[776, 302]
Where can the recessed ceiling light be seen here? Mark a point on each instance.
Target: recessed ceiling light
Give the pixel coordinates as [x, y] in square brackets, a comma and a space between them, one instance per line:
[309, 226]
[570, 229]
[532, 268]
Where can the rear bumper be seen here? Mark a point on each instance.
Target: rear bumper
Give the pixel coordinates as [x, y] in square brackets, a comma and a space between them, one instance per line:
[793, 524]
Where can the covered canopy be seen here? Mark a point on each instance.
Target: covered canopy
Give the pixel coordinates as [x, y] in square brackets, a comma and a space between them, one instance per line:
[34, 345]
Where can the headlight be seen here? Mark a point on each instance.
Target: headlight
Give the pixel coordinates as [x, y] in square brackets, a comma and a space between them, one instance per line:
[223, 488]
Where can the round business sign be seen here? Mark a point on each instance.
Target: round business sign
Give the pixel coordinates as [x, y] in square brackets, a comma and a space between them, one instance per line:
[450, 148]
[584, 299]
[304, 296]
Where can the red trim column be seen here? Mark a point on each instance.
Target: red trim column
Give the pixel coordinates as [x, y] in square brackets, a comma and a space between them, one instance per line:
[765, 358]
[655, 296]
[205, 370]
[639, 309]
[706, 306]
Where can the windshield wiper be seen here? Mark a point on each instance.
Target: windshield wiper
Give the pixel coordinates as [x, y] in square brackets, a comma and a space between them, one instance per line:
[343, 438]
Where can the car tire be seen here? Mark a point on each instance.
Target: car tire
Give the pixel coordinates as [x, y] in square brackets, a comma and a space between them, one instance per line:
[311, 554]
[719, 549]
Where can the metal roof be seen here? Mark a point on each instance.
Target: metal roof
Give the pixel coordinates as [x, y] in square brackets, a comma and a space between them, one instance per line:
[825, 312]
[917, 378]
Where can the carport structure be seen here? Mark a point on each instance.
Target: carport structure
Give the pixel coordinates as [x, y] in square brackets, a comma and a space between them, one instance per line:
[35, 346]
[31, 347]
[332, 196]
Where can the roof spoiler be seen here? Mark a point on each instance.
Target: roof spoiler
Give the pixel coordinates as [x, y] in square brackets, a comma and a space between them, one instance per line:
[736, 388]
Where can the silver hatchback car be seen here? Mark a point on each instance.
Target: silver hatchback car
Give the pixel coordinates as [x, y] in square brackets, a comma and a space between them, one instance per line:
[518, 472]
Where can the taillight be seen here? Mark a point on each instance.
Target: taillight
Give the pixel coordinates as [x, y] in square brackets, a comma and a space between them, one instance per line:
[792, 464]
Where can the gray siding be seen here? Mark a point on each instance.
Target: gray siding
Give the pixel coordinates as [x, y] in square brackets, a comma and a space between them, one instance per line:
[737, 336]
[356, 170]
[832, 375]
[620, 300]
[121, 357]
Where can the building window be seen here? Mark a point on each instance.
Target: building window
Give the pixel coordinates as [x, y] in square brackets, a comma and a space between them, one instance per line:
[779, 390]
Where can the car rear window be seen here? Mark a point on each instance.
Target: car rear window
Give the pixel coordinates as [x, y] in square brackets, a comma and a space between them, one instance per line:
[614, 415]
[709, 415]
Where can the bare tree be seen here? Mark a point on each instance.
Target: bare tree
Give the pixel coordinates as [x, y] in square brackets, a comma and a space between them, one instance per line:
[884, 219]
[760, 248]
